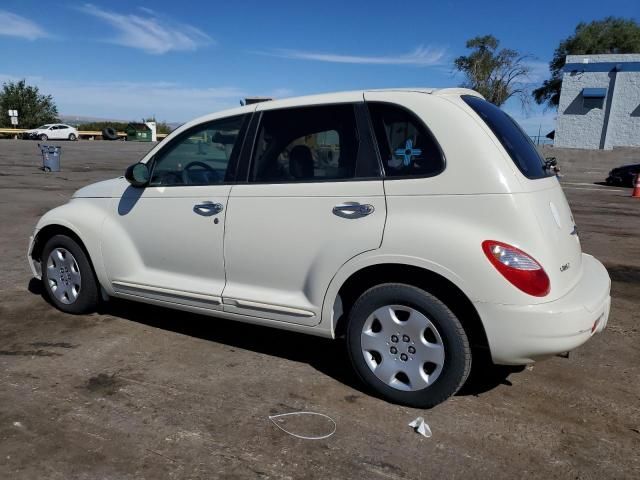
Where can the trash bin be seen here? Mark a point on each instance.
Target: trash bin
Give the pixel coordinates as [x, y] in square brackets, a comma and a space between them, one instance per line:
[138, 132]
[50, 158]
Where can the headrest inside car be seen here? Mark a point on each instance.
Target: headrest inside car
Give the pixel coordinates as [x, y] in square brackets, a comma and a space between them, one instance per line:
[301, 162]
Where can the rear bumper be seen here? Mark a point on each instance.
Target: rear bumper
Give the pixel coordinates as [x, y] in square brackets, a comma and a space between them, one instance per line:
[520, 334]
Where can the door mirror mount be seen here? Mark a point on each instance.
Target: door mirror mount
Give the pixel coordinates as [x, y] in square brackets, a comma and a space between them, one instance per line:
[137, 175]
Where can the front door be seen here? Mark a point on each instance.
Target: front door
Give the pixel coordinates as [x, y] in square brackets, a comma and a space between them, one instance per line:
[313, 200]
[165, 241]
[54, 132]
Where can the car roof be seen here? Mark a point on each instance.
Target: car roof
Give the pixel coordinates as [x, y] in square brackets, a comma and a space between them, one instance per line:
[356, 95]
[327, 98]
[308, 100]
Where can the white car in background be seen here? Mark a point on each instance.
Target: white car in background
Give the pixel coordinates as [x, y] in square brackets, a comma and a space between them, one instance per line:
[422, 225]
[52, 131]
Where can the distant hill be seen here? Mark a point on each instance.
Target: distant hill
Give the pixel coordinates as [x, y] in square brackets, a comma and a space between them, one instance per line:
[80, 119]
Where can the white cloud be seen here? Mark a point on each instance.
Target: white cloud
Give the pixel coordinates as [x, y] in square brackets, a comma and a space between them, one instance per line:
[538, 71]
[13, 25]
[168, 101]
[420, 57]
[150, 33]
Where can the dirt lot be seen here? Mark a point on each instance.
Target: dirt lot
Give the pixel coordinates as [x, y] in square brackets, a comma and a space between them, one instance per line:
[142, 392]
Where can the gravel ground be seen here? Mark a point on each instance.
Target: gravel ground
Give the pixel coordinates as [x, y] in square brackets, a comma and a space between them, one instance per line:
[141, 392]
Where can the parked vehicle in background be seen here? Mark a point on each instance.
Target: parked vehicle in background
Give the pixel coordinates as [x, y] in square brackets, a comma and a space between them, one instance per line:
[52, 131]
[623, 176]
[421, 225]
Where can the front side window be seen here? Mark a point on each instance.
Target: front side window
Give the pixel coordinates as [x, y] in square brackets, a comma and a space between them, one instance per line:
[305, 145]
[200, 156]
[406, 147]
[517, 143]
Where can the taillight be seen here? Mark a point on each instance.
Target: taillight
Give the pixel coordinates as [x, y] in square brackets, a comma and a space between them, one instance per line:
[519, 268]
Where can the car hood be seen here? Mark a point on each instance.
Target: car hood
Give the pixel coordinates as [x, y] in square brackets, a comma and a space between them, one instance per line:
[105, 189]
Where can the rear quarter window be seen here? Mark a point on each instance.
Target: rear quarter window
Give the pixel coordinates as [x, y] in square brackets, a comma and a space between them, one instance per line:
[514, 140]
[406, 147]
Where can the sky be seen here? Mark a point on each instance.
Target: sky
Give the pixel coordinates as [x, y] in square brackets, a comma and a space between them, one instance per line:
[179, 60]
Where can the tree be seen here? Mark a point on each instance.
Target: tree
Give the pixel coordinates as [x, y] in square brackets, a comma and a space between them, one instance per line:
[611, 35]
[34, 109]
[497, 74]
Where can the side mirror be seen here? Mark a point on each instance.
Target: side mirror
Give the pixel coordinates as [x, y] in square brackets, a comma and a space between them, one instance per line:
[137, 174]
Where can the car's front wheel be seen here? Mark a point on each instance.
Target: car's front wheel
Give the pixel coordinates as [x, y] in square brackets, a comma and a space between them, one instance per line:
[68, 277]
[72, 137]
[407, 345]
[43, 138]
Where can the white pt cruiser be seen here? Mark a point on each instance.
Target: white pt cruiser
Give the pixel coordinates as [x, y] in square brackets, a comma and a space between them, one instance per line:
[422, 225]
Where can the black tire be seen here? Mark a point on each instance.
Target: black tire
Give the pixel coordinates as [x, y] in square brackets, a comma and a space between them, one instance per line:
[109, 133]
[88, 295]
[43, 138]
[72, 137]
[457, 353]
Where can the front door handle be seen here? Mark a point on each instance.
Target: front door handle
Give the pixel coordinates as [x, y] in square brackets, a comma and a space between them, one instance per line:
[207, 209]
[353, 210]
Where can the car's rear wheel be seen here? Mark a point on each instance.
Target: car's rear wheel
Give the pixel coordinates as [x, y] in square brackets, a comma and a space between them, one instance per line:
[68, 277]
[72, 137]
[407, 345]
[44, 138]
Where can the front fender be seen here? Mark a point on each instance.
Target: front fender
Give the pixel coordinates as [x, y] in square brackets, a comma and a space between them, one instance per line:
[84, 217]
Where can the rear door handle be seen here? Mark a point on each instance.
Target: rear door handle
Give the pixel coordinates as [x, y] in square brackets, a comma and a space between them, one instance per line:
[353, 210]
[207, 209]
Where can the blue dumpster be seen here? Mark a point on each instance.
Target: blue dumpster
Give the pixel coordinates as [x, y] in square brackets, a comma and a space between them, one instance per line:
[50, 158]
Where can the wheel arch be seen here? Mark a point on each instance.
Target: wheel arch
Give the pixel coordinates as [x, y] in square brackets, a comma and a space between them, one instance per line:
[49, 231]
[343, 293]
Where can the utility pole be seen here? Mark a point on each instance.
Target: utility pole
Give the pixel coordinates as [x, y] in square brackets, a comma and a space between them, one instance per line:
[539, 128]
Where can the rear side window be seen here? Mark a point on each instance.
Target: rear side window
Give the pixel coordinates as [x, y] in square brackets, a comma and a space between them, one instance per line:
[517, 143]
[406, 147]
[309, 144]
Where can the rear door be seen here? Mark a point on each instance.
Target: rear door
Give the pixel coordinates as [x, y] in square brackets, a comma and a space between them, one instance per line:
[313, 199]
[63, 132]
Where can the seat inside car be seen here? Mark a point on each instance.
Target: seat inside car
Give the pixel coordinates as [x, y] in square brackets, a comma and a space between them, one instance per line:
[301, 163]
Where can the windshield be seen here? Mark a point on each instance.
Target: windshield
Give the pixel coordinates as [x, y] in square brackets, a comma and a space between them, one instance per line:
[514, 140]
[43, 127]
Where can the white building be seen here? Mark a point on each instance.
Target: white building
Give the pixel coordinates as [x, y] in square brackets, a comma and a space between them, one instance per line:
[599, 102]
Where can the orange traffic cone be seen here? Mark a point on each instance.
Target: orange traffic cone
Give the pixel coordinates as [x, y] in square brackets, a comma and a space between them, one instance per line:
[636, 187]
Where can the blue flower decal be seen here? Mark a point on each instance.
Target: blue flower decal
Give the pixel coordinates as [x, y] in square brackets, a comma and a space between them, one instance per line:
[408, 152]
